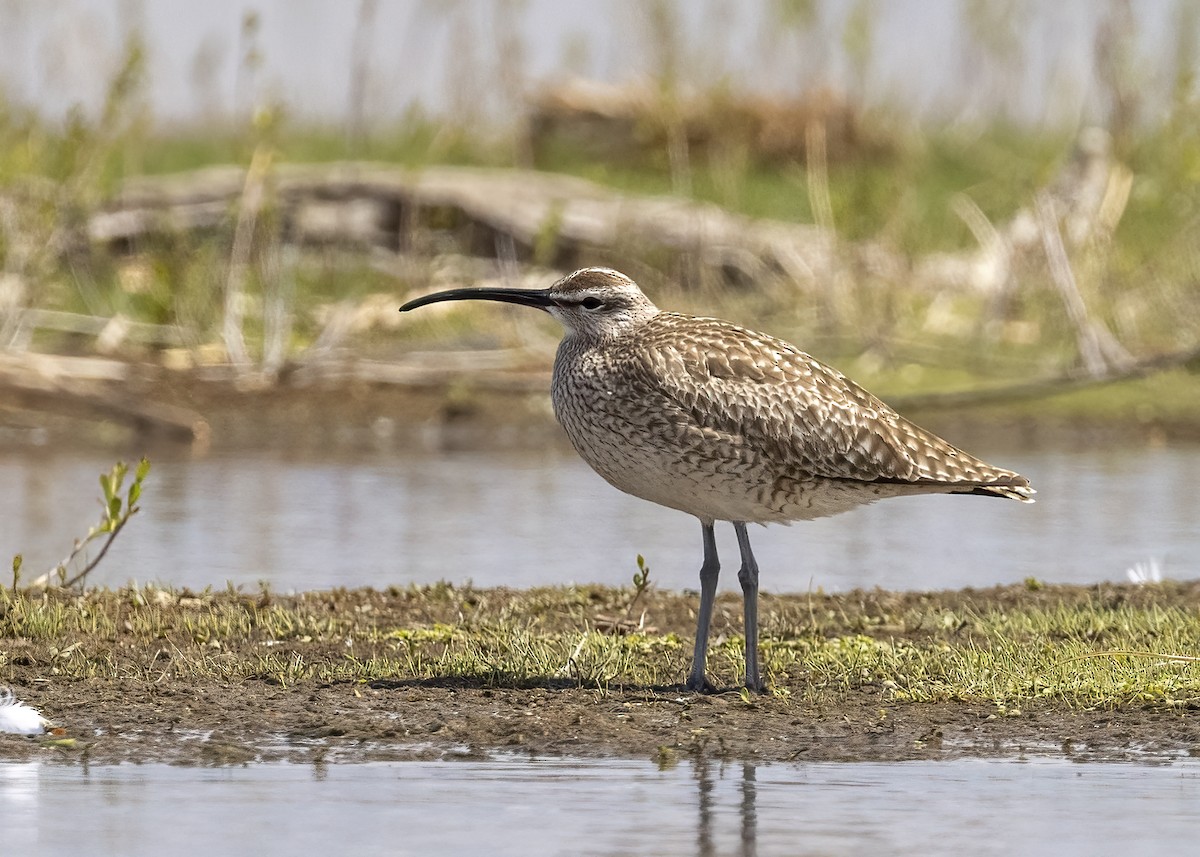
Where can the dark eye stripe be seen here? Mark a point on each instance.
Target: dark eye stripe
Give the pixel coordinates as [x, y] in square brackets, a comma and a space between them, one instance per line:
[587, 303]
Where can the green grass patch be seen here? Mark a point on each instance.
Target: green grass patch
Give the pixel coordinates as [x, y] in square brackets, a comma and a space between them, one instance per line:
[1058, 647]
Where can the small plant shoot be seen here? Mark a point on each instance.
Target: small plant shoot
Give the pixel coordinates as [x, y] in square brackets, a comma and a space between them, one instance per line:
[119, 505]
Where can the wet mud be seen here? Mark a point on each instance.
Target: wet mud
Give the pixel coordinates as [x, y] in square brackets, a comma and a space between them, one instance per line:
[106, 722]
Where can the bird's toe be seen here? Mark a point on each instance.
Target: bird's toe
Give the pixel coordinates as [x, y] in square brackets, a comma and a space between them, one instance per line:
[756, 685]
[699, 685]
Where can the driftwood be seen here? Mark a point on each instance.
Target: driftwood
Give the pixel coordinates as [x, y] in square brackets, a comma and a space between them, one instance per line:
[110, 333]
[623, 121]
[252, 198]
[555, 216]
[1101, 353]
[561, 220]
[84, 387]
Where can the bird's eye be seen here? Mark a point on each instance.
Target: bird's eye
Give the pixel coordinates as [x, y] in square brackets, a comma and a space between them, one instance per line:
[590, 303]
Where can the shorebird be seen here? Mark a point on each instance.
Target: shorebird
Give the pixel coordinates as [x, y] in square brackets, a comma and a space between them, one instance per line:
[726, 424]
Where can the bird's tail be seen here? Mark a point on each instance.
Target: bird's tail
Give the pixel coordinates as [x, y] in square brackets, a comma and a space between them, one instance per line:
[1024, 493]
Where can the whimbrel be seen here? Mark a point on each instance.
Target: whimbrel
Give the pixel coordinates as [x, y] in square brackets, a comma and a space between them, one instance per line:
[726, 424]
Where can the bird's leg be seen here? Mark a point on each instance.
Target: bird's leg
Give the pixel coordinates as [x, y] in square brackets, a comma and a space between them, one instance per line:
[697, 680]
[748, 577]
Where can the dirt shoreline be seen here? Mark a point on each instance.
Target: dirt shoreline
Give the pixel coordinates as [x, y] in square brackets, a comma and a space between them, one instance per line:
[134, 678]
[136, 722]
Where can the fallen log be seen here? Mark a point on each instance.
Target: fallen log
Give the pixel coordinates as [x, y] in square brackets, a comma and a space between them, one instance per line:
[382, 206]
[83, 387]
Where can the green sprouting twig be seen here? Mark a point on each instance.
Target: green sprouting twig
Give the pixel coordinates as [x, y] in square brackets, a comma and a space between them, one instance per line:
[641, 583]
[112, 534]
[118, 509]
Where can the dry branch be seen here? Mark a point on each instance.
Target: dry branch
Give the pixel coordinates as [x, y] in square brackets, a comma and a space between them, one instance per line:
[1098, 348]
[84, 387]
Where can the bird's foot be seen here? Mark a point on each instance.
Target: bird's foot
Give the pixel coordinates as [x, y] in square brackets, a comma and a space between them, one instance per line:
[699, 684]
[756, 685]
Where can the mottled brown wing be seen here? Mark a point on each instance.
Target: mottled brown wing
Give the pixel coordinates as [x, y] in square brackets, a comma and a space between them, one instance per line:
[781, 403]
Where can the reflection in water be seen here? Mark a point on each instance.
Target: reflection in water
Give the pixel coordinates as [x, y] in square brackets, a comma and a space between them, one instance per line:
[749, 812]
[525, 520]
[704, 782]
[705, 788]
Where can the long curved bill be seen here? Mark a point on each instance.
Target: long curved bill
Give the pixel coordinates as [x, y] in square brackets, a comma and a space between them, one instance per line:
[536, 298]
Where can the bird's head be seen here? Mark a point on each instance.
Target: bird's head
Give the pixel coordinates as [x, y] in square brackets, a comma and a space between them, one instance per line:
[592, 303]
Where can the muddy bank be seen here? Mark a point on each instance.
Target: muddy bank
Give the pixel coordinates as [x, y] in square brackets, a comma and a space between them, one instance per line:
[217, 724]
[151, 675]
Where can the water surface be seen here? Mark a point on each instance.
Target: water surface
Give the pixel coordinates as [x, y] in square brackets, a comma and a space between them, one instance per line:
[607, 807]
[525, 520]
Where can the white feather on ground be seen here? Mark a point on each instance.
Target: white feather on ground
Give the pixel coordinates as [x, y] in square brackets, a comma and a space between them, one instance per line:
[18, 718]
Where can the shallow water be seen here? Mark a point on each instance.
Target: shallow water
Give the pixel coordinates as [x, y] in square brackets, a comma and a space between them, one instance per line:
[564, 806]
[524, 520]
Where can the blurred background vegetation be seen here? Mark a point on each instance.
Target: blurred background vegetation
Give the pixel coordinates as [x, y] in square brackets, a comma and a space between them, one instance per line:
[995, 190]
